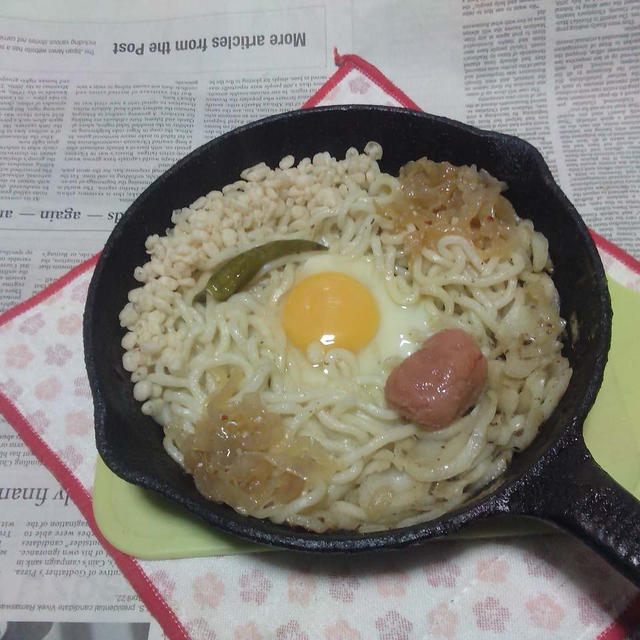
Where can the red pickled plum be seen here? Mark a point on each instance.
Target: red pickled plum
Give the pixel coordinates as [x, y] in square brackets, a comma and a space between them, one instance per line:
[439, 382]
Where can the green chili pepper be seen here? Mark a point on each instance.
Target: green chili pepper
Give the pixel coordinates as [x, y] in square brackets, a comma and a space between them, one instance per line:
[231, 276]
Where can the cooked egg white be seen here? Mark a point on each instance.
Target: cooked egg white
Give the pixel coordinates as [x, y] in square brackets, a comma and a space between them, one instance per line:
[342, 302]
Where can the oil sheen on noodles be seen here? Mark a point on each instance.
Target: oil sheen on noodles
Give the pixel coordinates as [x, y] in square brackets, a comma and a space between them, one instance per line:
[306, 438]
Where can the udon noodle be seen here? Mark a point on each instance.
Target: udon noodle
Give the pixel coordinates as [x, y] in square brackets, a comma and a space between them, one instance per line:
[304, 436]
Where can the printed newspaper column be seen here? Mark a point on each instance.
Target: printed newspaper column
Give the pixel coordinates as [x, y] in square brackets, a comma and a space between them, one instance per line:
[597, 84]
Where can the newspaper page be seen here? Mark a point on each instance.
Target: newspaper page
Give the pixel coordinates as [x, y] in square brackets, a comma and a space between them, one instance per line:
[91, 112]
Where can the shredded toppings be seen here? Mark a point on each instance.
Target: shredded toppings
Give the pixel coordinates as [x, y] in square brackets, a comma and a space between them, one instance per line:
[240, 454]
[438, 199]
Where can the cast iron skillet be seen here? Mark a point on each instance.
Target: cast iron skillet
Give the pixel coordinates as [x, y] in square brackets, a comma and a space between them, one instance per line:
[555, 479]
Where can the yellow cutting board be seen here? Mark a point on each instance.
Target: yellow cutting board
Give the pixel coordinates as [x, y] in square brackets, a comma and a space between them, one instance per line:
[145, 525]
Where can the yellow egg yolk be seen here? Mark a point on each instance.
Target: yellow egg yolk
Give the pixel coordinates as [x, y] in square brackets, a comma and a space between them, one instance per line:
[331, 308]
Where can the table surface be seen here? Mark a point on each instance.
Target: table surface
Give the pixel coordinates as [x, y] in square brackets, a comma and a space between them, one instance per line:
[427, 50]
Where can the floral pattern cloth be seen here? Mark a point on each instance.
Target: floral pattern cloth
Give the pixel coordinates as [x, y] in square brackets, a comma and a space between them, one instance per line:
[547, 586]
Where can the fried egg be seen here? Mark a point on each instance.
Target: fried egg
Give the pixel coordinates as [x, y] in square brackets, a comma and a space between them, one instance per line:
[342, 302]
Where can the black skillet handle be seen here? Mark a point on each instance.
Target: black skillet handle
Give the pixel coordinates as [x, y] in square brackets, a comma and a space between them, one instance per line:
[573, 492]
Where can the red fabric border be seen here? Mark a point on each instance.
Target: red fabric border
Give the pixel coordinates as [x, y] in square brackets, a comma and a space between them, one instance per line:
[618, 253]
[130, 568]
[373, 73]
[347, 63]
[322, 92]
[49, 290]
[627, 622]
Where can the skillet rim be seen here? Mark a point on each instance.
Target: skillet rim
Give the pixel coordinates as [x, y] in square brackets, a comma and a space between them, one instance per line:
[495, 502]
